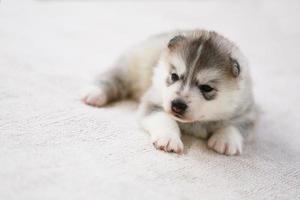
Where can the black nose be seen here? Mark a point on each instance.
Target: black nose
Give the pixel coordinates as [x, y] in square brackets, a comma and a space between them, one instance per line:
[178, 106]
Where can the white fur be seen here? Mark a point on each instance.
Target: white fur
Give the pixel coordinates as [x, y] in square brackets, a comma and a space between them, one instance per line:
[227, 141]
[94, 96]
[164, 132]
[179, 63]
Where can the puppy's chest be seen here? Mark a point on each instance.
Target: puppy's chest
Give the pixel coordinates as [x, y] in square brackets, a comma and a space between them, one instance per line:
[196, 129]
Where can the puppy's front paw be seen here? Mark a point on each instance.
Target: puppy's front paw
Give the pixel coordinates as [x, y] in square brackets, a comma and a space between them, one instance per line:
[226, 141]
[95, 97]
[169, 144]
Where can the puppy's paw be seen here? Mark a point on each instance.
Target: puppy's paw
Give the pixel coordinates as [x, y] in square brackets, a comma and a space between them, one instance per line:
[169, 144]
[95, 97]
[226, 141]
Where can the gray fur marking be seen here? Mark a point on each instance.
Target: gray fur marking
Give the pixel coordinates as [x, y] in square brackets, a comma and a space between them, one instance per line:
[151, 108]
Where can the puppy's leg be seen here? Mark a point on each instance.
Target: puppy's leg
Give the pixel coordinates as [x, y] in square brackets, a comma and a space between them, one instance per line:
[109, 86]
[164, 131]
[226, 140]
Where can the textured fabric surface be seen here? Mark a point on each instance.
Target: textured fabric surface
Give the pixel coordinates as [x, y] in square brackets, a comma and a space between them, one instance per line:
[54, 147]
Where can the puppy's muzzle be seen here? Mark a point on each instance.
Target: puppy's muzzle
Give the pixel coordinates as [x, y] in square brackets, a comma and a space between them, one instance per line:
[178, 106]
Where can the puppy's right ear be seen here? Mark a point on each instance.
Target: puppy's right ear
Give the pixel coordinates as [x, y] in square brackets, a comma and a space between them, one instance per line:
[175, 41]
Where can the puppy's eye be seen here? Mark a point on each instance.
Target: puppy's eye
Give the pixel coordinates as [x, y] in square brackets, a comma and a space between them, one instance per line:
[205, 88]
[174, 77]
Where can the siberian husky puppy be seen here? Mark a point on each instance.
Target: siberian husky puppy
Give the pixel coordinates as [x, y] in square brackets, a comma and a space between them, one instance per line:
[195, 82]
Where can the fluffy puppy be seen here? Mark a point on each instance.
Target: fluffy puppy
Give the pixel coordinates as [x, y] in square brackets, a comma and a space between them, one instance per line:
[196, 82]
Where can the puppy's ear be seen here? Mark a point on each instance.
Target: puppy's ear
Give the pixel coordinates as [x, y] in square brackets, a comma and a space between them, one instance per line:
[235, 67]
[175, 41]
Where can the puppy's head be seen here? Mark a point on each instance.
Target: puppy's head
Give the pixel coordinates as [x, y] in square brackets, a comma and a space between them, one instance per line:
[204, 77]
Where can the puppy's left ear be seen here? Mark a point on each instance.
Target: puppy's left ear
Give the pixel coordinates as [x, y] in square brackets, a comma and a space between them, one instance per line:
[235, 67]
[175, 41]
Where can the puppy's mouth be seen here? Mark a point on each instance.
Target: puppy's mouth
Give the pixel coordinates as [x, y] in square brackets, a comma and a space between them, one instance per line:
[180, 118]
